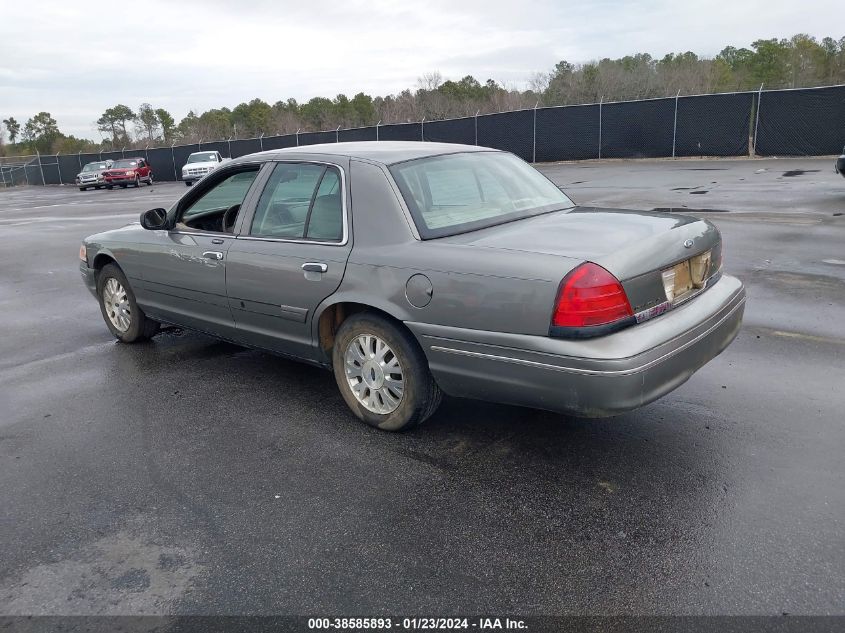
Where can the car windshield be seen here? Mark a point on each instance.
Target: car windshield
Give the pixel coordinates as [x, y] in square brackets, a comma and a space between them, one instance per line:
[94, 167]
[469, 191]
[124, 164]
[202, 158]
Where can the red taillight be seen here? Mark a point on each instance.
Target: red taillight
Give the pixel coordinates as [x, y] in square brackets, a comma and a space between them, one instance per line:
[589, 295]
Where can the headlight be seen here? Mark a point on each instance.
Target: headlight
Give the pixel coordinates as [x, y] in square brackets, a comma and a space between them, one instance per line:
[130, 173]
[83, 253]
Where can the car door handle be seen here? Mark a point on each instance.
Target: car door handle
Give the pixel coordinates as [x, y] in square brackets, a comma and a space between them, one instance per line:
[314, 267]
[213, 255]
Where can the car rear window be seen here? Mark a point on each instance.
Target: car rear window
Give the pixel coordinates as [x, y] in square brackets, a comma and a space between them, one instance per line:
[463, 192]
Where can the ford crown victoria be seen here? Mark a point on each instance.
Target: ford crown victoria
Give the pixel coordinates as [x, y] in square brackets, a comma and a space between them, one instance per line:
[416, 269]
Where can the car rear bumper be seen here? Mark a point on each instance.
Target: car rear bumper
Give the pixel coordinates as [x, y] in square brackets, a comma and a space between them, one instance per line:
[591, 378]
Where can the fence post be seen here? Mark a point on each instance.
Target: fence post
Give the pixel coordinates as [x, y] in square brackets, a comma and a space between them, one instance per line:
[757, 117]
[675, 124]
[229, 144]
[199, 145]
[297, 136]
[40, 168]
[79, 159]
[123, 152]
[476, 126]
[59, 168]
[173, 159]
[377, 124]
[600, 104]
[422, 130]
[261, 141]
[337, 135]
[534, 135]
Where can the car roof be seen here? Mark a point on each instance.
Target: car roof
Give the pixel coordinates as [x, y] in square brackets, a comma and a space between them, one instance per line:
[384, 152]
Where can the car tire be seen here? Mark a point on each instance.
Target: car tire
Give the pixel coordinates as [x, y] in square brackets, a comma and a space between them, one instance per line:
[150, 180]
[137, 182]
[124, 186]
[98, 187]
[125, 320]
[419, 397]
[109, 187]
[187, 183]
[83, 188]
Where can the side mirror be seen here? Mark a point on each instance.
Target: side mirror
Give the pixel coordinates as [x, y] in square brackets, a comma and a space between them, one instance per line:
[154, 219]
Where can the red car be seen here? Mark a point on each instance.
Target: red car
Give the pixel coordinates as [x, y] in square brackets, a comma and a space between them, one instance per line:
[128, 171]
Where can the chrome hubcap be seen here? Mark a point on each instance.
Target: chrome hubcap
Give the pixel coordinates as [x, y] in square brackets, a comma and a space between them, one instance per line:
[374, 374]
[116, 304]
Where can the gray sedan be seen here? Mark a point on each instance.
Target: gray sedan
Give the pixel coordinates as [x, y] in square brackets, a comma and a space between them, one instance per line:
[416, 269]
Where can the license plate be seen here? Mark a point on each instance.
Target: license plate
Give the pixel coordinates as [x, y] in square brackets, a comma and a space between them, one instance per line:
[677, 281]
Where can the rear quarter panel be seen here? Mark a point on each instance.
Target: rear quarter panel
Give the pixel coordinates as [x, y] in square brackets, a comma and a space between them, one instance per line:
[472, 287]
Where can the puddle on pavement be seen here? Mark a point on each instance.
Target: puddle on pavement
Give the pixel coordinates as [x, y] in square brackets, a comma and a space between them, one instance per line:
[687, 210]
[799, 172]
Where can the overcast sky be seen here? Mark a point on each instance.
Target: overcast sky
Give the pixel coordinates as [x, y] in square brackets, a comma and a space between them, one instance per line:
[75, 59]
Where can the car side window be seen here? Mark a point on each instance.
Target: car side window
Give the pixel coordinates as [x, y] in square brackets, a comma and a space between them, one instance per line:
[223, 195]
[300, 201]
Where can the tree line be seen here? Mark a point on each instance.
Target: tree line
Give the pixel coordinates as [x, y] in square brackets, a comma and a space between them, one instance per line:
[798, 62]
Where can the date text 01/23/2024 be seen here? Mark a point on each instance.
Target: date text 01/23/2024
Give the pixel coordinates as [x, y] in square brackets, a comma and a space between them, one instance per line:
[431, 623]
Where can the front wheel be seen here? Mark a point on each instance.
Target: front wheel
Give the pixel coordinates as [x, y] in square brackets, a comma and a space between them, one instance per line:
[383, 374]
[109, 187]
[126, 321]
[137, 182]
[187, 183]
[83, 188]
[150, 180]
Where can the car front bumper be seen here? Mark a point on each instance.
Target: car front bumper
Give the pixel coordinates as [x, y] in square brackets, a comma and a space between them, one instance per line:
[597, 377]
[120, 181]
[89, 277]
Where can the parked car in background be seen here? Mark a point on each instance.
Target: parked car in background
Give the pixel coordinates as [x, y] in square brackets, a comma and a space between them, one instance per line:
[416, 269]
[92, 175]
[128, 171]
[199, 164]
[839, 166]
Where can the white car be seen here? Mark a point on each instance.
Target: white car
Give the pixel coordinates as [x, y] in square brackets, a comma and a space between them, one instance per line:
[199, 164]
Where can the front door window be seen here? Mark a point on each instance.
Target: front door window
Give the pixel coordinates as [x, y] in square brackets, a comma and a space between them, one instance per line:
[217, 207]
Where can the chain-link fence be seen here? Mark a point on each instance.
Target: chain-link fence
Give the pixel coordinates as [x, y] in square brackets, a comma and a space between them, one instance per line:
[803, 122]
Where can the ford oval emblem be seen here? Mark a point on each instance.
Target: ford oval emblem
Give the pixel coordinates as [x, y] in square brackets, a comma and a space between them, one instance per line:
[688, 244]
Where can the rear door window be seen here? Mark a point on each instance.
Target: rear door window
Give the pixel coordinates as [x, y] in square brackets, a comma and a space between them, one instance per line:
[301, 201]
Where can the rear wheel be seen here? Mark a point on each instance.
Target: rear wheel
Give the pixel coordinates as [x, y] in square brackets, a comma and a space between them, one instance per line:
[125, 320]
[383, 374]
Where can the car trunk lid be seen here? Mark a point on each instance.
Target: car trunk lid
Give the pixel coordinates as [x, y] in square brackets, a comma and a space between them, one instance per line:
[635, 246]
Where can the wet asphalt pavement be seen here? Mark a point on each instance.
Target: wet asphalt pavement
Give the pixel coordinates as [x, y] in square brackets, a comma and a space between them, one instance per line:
[192, 476]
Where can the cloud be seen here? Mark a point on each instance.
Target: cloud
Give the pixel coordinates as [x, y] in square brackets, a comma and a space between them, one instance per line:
[212, 53]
